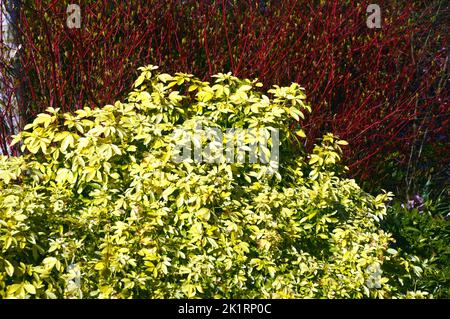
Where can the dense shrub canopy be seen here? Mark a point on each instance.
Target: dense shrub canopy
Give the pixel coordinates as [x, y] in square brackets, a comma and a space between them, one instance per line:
[98, 208]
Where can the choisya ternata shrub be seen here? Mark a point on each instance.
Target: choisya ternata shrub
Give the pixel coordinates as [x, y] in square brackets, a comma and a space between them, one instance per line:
[97, 208]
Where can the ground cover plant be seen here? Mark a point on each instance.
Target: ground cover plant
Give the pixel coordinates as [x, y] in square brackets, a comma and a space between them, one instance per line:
[421, 228]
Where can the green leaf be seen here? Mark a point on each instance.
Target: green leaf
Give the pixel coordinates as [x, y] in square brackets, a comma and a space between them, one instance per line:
[392, 251]
[9, 268]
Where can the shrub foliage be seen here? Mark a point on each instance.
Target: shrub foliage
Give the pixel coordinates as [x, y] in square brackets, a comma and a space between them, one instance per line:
[424, 233]
[97, 208]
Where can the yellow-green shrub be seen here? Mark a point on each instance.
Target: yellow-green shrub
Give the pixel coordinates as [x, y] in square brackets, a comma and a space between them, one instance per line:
[96, 207]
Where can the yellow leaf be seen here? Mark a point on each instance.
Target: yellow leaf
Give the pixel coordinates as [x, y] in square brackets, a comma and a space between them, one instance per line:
[167, 192]
[139, 80]
[68, 140]
[99, 266]
[313, 160]
[9, 268]
[192, 87]
[164, 77]
[30, 289]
